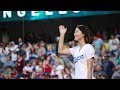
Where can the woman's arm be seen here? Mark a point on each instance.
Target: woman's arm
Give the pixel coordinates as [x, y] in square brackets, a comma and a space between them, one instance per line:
[89, 68]
[61, 48]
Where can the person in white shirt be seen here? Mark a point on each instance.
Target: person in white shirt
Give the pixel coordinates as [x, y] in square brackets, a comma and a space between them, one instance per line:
[20, 42]
[113, 43]
[83, 54]
[13, 50]
[27, 68]
[57, 69]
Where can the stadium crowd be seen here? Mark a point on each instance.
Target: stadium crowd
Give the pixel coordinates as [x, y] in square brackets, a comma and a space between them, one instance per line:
[41, 61]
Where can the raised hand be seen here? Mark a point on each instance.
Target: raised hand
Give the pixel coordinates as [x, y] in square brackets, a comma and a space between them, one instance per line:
[62, 29]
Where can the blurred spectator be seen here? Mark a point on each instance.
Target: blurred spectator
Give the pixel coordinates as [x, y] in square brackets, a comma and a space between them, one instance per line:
[113, 43]
[98, 73]
[27, 69]
[8, 62]
[97, 43]
[57, 68]
[39, 67]
[116, 74]
[99, 35]
[27, 50]
[99, 60]
[13, 49]
[20, 42]
[108, 66]
[8, 72]
[20, 63]
[50, 50]
[33, 55]
[41, 51]
[5, 37]
[47, 65]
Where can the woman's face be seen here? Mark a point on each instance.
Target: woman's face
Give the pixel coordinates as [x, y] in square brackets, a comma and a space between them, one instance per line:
[40, 63]
[18, 56]
[28, 64]
[98, 68]
[32, 49]
[34, 63]
[68, 65]
[78, 35]
[112, 37]
[8, 58]
[67, 71]
[56, 62]
[48, 58]
[99, 58]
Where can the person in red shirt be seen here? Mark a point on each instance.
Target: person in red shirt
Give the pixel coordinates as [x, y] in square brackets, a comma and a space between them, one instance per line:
[20, 63]
[99, 35]
[47, 65]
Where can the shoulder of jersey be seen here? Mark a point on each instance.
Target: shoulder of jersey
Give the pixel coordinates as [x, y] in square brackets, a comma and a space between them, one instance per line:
[89, 46]
[76, 47]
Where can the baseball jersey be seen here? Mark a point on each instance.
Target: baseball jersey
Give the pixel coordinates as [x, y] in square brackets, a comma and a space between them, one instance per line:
[81, 55]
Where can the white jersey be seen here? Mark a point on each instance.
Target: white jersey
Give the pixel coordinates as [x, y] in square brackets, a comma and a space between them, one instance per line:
[81, 55]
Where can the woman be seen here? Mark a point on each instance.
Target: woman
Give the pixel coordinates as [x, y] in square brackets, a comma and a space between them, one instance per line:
[83, 54]
[47, 65]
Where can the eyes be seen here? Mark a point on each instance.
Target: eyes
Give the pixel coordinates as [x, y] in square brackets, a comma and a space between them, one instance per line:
[78, 31]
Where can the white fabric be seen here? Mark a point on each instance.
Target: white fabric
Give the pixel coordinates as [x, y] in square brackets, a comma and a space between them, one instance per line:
[13, 55]
[6, 51]
[59, 68]
[113, 44]
[26, 68]
[38, 69]
[80, 59]
[1, 49]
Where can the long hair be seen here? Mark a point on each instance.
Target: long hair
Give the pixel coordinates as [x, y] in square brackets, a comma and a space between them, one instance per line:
[86, 31]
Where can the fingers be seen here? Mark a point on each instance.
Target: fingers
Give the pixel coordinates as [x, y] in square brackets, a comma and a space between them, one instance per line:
[66, 28]
[61, 27]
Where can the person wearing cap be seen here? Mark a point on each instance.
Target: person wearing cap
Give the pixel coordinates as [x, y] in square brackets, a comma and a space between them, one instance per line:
[20, 63]
[83, 54]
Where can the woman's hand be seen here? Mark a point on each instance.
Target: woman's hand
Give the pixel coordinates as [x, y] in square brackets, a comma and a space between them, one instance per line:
[62, 29]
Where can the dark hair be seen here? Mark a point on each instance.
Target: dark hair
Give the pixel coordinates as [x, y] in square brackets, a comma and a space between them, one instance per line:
[86, 31]
[113, 35]
[9, 56]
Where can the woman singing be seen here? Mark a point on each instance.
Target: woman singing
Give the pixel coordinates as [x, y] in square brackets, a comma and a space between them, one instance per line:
[83, 54]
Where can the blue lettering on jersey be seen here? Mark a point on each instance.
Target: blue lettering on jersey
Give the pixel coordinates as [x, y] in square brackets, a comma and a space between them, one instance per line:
[78, 58]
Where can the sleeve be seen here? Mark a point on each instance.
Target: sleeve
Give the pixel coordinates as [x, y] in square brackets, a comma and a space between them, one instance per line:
[112, 65]
[24, 69]
[90, 52]
[110, 42]
[102, 42]
[71, 64]
[52, 72]
[93, 43]
[117, 40]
